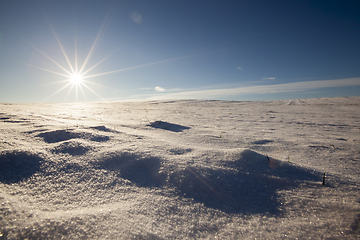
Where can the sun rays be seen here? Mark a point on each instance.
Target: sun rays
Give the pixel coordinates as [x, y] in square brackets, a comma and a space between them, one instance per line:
[76, 75]
[76, 79]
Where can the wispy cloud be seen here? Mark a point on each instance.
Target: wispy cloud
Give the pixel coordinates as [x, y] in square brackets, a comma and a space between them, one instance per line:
[259, 89]
[239, 68]
[268, 78]
[159, 89]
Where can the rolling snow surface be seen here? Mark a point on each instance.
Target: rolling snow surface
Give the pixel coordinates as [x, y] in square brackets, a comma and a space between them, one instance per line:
[181, 170]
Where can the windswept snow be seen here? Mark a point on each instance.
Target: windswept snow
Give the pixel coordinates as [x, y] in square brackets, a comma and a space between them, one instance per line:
[181, 169]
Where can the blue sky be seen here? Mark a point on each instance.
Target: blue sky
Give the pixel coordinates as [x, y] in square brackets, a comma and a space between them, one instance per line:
[142, 50]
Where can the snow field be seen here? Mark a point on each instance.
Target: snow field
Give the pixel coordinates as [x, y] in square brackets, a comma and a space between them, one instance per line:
[181, 169]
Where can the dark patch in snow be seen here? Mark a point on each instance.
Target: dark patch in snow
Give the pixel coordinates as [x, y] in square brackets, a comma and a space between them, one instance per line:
[64, 135]
[322, 124]
[17, 166]
[147, 236]
[49, 229]
[99, 138]
[33, 131]
[341, 139]
[72, 148]
[261, 142]
[168, 126]
[355, 226]
[144, 172]
[250, 186]
[58, 136]
[180, 151]
[16, 121]
[103, 129]
[317, 147]
[8, 119]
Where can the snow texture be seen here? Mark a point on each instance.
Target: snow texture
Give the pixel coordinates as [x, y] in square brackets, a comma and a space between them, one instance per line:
[181, 170]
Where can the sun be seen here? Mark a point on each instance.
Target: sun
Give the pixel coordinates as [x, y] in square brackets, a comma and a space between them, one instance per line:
[76, 79]
[76, 76]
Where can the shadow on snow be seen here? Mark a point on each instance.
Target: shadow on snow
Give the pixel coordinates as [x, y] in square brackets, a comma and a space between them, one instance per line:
[144, 172]
[64, 135]
[16, 166]
[248, 185]
[168, 126]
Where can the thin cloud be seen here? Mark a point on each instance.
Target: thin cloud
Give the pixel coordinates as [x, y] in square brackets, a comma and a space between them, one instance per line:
[136, 17]
[269, 78]
[159, 89]
[260, 89]
[239, 68]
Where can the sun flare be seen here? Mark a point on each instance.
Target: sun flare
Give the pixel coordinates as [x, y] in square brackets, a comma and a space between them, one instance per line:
[76, 79]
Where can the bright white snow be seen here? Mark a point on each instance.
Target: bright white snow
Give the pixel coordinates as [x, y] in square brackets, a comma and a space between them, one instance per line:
[181, 169]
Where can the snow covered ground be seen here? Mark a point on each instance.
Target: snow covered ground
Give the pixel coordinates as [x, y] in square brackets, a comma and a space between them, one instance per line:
[181, 169]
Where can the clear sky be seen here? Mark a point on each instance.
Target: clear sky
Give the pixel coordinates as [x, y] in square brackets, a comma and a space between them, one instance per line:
[189, 49]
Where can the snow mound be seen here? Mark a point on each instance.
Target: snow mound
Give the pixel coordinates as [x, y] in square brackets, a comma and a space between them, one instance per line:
[71, 147]
[248, 184]
[250, 162]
